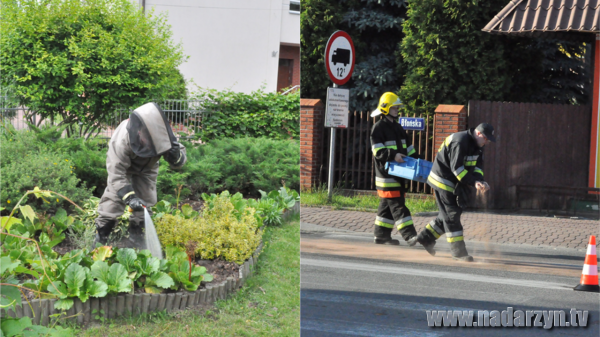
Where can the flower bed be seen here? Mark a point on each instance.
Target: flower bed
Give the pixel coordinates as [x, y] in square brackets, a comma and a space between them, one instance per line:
[108, 282]
[99, 309]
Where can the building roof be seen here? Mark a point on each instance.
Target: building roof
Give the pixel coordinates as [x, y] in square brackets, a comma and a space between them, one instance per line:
[571, 19]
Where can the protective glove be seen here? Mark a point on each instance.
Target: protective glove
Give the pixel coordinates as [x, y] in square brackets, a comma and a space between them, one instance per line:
[135, 203]
[174, 155]
[462, 199]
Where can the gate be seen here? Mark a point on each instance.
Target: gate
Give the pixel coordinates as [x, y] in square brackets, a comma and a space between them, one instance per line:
[353, 158]
[537, 145]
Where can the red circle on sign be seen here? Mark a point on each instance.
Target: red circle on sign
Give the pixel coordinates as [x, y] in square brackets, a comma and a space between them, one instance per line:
[332, 38]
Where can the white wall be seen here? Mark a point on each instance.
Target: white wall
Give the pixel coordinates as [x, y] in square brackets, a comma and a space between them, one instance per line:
[230, 43]
[290, 26]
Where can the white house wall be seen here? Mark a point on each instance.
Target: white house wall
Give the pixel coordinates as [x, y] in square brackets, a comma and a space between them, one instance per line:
[231, 44]
[290, 26]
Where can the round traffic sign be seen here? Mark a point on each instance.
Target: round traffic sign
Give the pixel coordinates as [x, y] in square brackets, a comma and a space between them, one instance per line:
[339, 57]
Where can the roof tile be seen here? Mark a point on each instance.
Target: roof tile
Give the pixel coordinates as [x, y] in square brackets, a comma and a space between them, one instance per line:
[530, 16]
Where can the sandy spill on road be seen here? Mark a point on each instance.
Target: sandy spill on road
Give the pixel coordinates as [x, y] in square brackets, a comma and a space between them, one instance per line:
[369, 250]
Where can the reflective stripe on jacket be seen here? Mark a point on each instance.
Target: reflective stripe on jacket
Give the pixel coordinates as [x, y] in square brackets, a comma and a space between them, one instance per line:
[459, 160]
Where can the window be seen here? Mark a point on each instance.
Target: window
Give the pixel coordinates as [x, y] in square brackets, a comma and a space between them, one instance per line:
[294, 7]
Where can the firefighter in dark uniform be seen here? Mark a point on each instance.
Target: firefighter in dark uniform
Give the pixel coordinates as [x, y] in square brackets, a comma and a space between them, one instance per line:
[457, 165]
[389, 142]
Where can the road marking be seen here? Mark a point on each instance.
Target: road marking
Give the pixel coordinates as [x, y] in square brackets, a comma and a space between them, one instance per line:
[433, 274]
[362, 329]
[374, 302]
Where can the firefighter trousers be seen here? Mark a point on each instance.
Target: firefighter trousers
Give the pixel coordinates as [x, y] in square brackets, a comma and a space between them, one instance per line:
[447, 222]
[393, 212]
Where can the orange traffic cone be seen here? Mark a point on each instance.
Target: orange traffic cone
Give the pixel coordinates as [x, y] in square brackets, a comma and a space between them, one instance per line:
[589, 275]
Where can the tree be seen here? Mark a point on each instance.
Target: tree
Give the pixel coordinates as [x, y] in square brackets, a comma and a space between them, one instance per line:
[451, 61]
[318, 20]
[79, 61]
[376, 30]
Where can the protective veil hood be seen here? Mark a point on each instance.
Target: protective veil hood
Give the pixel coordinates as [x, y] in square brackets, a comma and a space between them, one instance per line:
[149, 131]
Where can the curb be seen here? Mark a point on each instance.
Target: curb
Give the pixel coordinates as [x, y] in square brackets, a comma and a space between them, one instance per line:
[119, 305]
[370, 210]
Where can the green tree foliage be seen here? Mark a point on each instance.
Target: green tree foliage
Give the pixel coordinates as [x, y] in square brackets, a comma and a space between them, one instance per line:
[565, 78]
[450, 60]
[318, 20]
[438, 55]
[376, 30]
[80, 60]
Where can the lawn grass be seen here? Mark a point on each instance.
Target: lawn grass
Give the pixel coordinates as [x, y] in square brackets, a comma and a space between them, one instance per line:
[267, 305]
[361, 202]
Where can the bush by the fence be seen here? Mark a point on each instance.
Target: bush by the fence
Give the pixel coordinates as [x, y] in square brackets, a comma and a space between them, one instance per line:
[243, 165]
[87, 158]
[231, 114]
[27, 163]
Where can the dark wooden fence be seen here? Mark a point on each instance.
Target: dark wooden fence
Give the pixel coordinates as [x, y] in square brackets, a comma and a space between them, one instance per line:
[353, 159]
[544, 145]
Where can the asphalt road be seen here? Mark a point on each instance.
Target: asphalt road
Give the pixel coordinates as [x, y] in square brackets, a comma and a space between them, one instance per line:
[351, 287]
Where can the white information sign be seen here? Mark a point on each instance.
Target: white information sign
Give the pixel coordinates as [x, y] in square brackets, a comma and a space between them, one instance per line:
[338, 101]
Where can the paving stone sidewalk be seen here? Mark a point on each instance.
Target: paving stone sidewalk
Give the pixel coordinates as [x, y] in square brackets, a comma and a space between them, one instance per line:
[478, 226]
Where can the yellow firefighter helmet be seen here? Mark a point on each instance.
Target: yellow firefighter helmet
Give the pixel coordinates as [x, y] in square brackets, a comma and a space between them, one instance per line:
[387, 100]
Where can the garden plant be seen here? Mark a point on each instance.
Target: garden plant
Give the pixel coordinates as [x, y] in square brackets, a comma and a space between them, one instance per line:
[228, 227]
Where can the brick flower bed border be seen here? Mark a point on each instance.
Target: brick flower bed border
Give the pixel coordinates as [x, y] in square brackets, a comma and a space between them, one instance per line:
[119, 305]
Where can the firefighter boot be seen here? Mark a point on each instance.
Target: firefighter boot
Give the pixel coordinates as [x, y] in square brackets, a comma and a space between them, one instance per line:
[383, 236]
[137, 236]
[459, 251]
[427, 242]
[412, 241]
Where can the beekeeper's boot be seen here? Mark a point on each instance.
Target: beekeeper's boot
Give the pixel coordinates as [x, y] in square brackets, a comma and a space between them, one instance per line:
[137, 236]
[102, 234]
[459, 251]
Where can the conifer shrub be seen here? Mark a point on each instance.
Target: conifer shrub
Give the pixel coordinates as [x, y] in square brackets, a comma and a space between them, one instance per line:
[26, 164]
[244, 165]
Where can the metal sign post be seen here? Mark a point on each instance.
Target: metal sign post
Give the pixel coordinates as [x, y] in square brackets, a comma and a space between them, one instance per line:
[339, 63]
[331, 160]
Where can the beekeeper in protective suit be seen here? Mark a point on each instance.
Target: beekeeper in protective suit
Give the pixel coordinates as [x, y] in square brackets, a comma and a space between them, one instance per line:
[132, 163]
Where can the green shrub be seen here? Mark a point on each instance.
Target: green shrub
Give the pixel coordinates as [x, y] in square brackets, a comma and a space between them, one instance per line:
[231, 114]
[37, 167]
[216, 233]
[244, 165]
[87, 158]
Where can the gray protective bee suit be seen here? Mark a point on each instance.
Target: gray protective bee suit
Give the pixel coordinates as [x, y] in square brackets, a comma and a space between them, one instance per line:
[132, 163]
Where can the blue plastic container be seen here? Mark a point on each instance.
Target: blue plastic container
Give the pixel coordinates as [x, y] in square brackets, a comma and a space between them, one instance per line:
[413, 169]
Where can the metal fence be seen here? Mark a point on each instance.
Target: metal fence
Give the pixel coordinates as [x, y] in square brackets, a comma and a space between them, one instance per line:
[354, 161]
[185, 117]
